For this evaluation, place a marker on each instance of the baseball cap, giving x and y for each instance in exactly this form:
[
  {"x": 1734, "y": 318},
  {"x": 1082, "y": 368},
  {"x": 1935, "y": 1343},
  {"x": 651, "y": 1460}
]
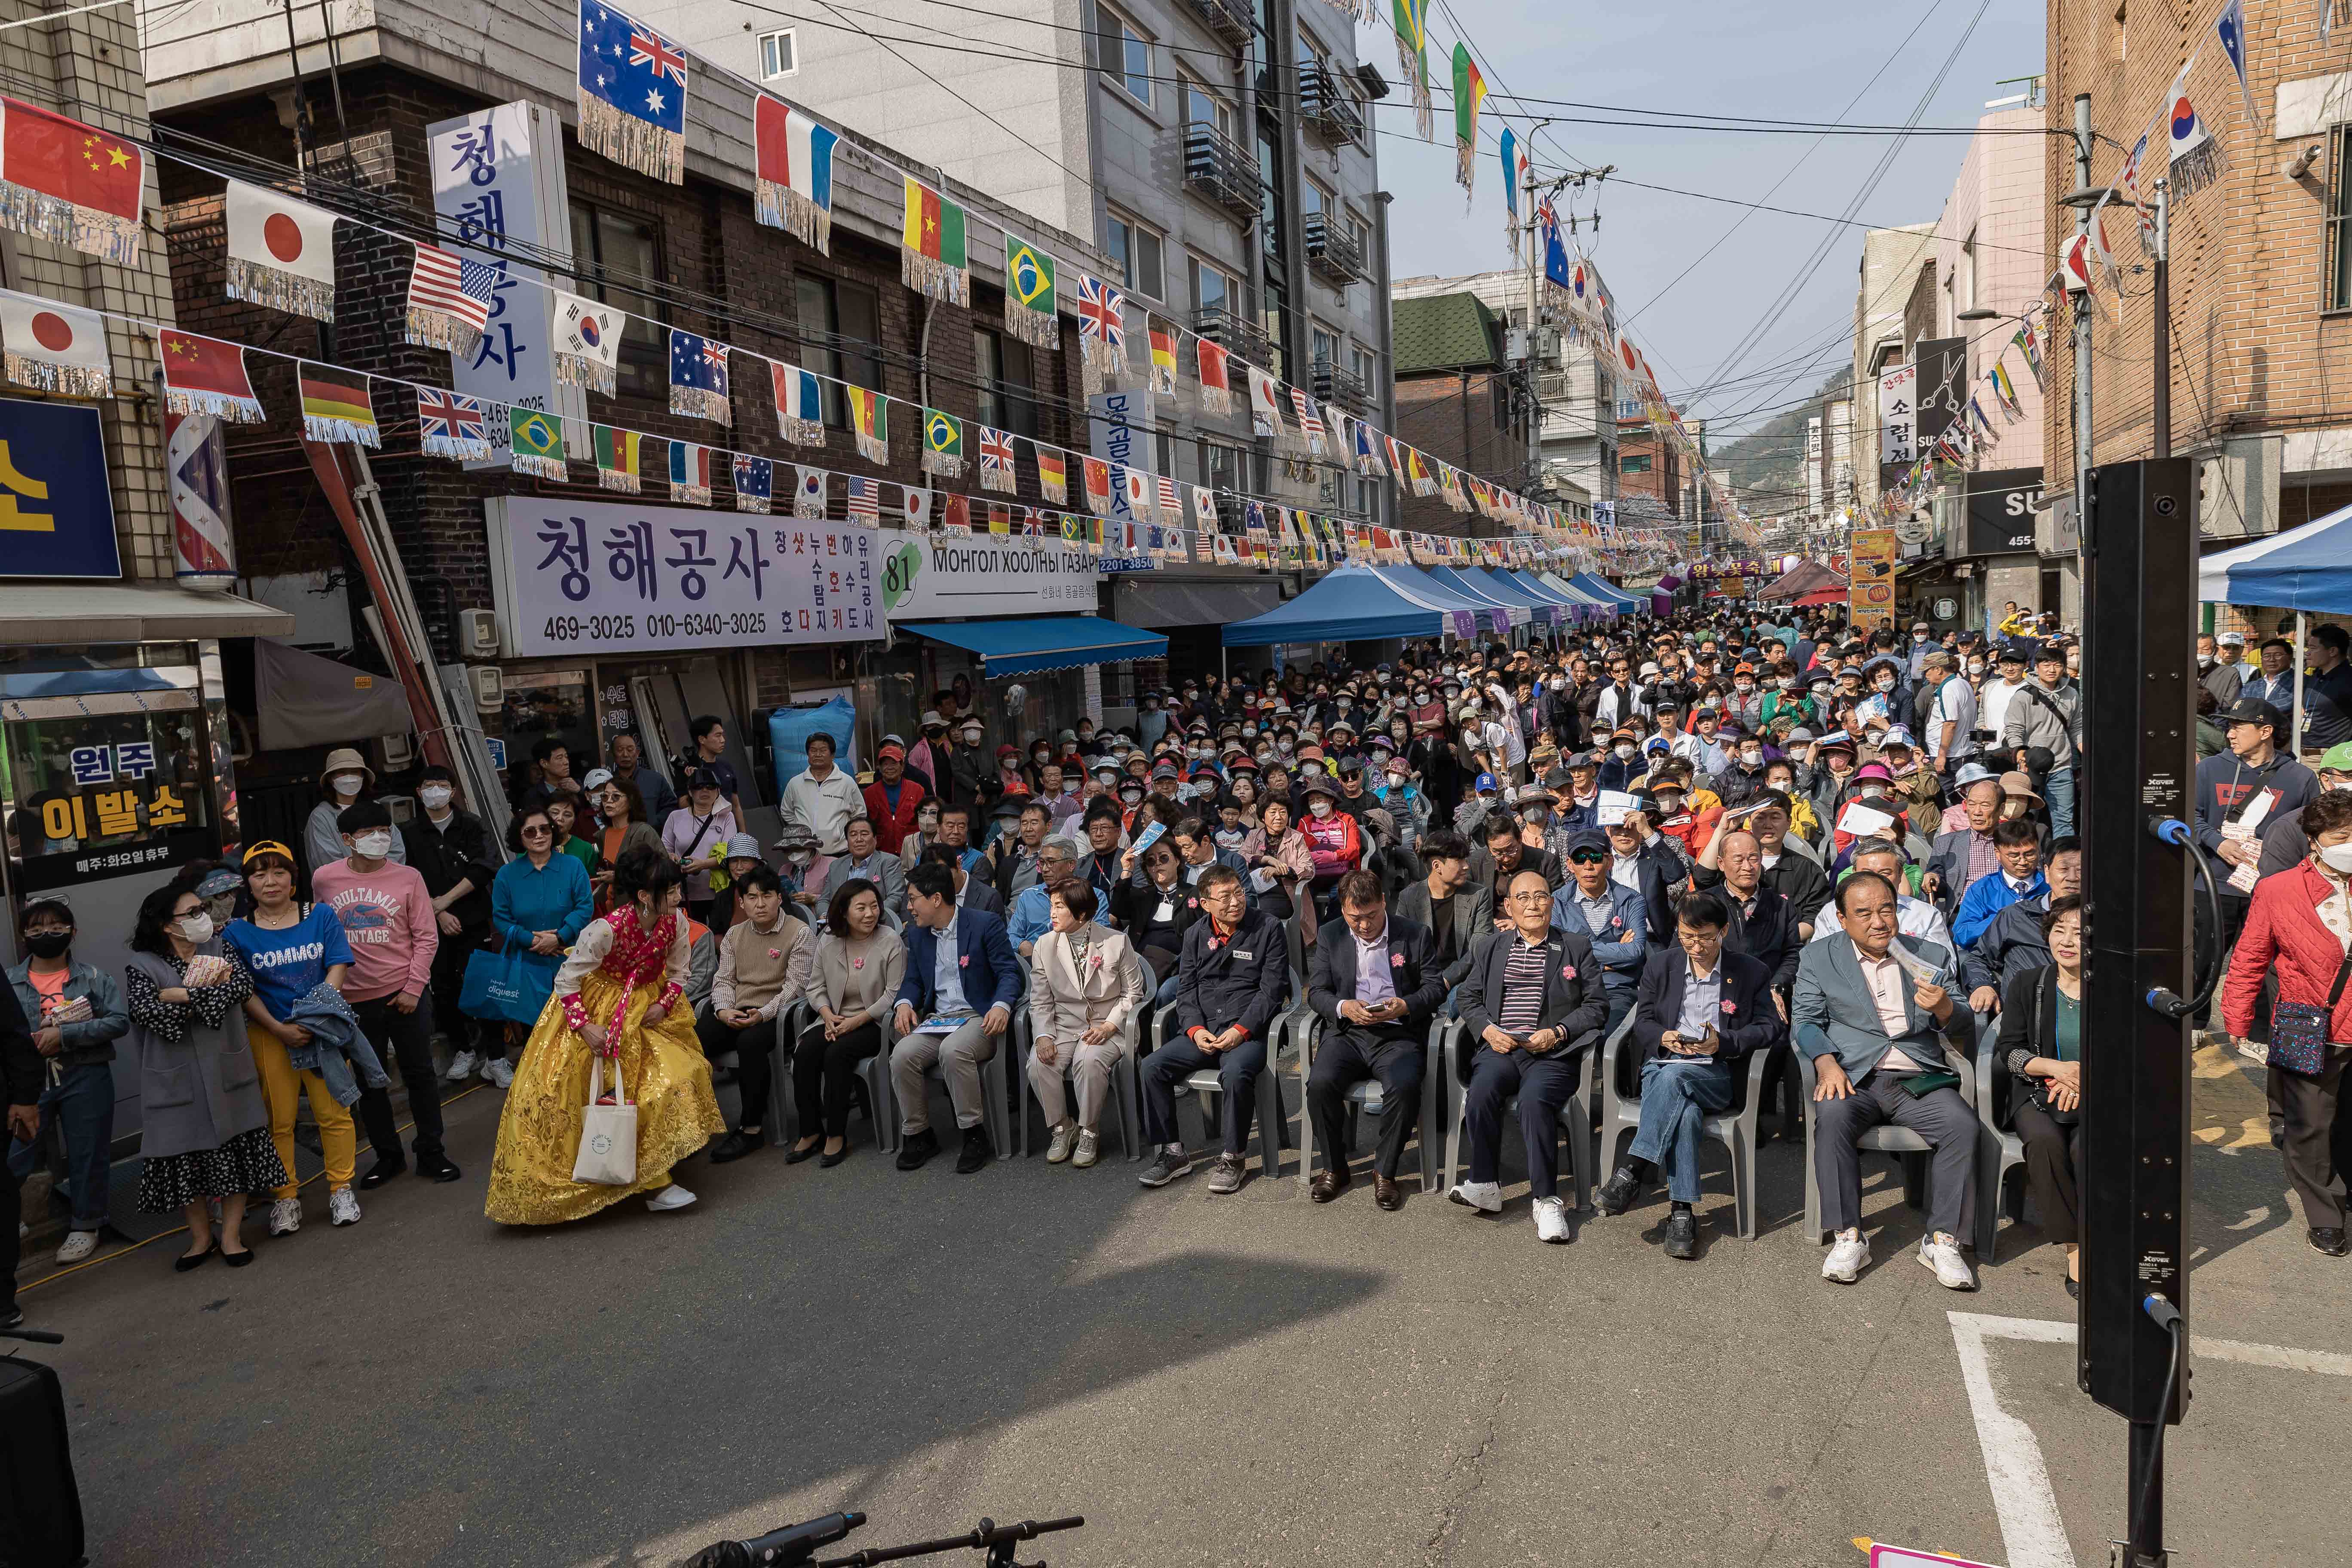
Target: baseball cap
[
  {"x": 2252, "y": 711},
  {"x": 889, "y": 750},
  {"x": 216, "y": 883},
  {"x": 1165, "y": 771},
  {"x": 597, "y": 779},
  {"x": 1801, "y": 736},
  {"x": 2232, "y": 639},
  {"x": 1585, "y": 840},
  {"x": 1582, "y": 760},
  {"x": 2336, "y": 759},
  {"x": 1485, "y": 783}
]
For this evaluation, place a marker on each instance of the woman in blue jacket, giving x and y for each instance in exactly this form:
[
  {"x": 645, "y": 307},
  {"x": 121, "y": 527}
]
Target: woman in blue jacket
[{"x": 539, "y": 901}]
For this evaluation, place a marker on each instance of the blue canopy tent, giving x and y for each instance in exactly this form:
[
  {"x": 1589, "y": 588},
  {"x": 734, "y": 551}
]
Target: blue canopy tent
[
  {"x": 1467, "y": 588},
  {"x": 1047, "y": 642},
  {"x": 1349, "y": 604},
  {"x": 2302, "y": 569},
  {"x": 1608, "y": 592},
  {"x": 1550, "y": 607},
  {"x": 1498, "y": 585},
  {"x": 1466, "y": 613},
  {"x": 1607, "y": 609}
]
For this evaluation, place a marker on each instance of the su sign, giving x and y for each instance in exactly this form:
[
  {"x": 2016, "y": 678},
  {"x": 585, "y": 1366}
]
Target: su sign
[
  {"x": 56, "y": 511},
  {"x": 2001, "y": 510}
]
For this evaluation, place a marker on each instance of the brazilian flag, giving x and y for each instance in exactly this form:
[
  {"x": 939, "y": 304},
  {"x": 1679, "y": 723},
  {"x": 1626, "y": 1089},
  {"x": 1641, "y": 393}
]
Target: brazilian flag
[
  {"x": 538, "y": 440},
  {"x": 1029, "y": 303},
  {"x": 942, "y": 444}
]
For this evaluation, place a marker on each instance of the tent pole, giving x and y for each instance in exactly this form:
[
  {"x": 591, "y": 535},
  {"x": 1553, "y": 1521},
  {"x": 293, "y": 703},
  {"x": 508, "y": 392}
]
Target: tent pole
[{"x": 2302, "y": 636}]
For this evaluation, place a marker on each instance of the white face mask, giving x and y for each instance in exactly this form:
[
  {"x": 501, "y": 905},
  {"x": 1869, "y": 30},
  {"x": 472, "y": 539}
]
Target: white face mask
[
  {"x": 1885, "y": 683},
  {"x": 2204, "y": 661},
  {"x": 1752, "y": 757},
  {"x": 1743, "y": 686},
  {"x": 374, "y": 844},
  {"x": 196, "y": 927},
  {"x": 800, "y": 857},
  {"x": 1975, "y": 668},
  {"x": 1624, "y": 749},
  {"x": 345, "y": 784},
  {"x": 434, "y": 796},
  {"x": 1319, "y": 806},
  {"x": 2337, "y": 858}
]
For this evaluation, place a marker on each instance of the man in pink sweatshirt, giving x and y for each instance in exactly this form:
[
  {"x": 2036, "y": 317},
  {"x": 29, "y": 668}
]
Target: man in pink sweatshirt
[{"x": 387, "y": 917}]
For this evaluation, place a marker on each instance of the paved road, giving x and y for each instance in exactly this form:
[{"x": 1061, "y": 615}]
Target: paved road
[{"x": 1247, "y": 1380}]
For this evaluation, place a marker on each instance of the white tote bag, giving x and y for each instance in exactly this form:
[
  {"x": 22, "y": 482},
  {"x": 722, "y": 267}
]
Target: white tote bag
[{"x": 608, "y": 1133}]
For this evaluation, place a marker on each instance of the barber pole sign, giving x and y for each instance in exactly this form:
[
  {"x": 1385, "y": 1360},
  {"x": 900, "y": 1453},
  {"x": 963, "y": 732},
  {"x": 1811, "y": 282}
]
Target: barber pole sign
[{"x": 196, "y": 464}]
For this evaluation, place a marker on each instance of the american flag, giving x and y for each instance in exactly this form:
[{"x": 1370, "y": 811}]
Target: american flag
[
  {"x": 1099, "y": 308},
  {"x": 464, "y": 289},
  {"x": 450, "y": 417},
  {"x": 865, "y": 497},
  {"x": 1170, "y": 508},
  {"x": 647, "y": 48},
  {"x": 995, "y": 451}
]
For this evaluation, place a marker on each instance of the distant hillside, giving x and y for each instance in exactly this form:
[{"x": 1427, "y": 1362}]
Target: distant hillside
[{"x": 1767, "y": 465}]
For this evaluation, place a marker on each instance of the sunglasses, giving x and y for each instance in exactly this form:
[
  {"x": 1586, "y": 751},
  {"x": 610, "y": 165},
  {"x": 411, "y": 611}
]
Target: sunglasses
[
  {"x": 1587, "y": 857},
  {"x": 540, "y": 832}
]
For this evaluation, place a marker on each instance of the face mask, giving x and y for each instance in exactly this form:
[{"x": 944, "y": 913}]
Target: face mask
[
  {"x": 1264, "y": 755},
  {"x": 1249, "y": 732},
  {"x": 376, "y": 844},
  {"x": 1874, "y": 792},
  {"x": 1539, "y": 814},
  {"x": 1624, "y": 749},
  {"x": 1743, "y": 686},
  {"x": 1320, "y": 808},
  {"x": 1285, "y": 747},
  {"x": 197, "y": 927},
  {"x": 1976, "y": 669},
  {"x": 972, "y": 737},
  {"x": 53, "y": 943},
  {"x": 1751, "y": 757},
  {"x": 1557, "y": 684},
  {"x": 2344, "y": 784},
  {"x": 2204, "y": 661},
  {"x": 345, "y": 784},
  {"x": 1311, "y": 771},
  {"x": 1885, "y": 683},
  {"x": 434, "y": 796},
  {"x": 2336, "y": 856},
  {"x": 800, "y": 857},
  {"x": 1132, "y": 796}
]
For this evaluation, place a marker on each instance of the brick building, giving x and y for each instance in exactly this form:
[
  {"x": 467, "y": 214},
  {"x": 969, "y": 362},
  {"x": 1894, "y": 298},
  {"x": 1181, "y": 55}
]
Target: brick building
[
  {"x": 1649, "y": 473},
  {"x": 1457, "y": 398}
]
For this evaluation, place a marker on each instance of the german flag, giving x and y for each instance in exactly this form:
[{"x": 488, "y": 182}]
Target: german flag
[{"x": 335, "y": 406}]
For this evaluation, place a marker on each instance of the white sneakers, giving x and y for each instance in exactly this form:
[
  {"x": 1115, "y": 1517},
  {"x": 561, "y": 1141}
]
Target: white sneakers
[
  {"x": 1487, "y": 1197},
  {"x": 499, "y": 1071},
  {"x": 285, "y": 1216},
  {"x": 1089, "y": 1148},
  {"x": 461, "y": 1066},
  {"x": 1551, "y": 1220},
  {"x": 1066, "y": 1136},
  {"x": 79, "y": 1244},
  {"x": 1849, "y": 1256},
  {"x": 671, "y": 1197},
  {"x": 342, "y": 1206},
  {"x": 1942, "y": 1254}
]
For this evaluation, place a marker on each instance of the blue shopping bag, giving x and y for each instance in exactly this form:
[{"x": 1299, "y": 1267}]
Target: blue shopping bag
[{"x": 509, "y": 982}]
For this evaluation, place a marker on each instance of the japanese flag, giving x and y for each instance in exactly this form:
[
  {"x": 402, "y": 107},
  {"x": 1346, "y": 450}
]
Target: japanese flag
[
  {"x": 54, "y": 348},
  {"x": 281, "y": 252},
  {"x": 918, "y": 509}
]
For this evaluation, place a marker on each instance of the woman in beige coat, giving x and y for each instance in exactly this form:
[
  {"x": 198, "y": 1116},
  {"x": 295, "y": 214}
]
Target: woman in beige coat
[{"x": 1084, "y": 986}]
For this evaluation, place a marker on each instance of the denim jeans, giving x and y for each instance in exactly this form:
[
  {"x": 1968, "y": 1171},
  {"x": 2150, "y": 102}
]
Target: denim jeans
[
  {"x": 82, "y": 1101},
  {"x": 1677, "y": 1094},
  {"x": 2058, "y": 794}
]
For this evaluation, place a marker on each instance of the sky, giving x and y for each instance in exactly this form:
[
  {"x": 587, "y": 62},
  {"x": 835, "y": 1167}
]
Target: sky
[{"x": 1809, "y": 61}]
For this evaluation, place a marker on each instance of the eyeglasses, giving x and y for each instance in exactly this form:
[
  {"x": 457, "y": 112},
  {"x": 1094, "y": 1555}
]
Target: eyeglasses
[{"x": 1530, "y": 898}]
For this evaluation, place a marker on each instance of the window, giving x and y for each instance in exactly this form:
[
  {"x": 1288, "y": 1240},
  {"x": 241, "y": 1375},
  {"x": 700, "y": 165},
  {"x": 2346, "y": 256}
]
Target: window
[
  {"x": 2340, "y": 225},
  {"x": 1203, "y": 107},
  {"x": 1326, "y": 346},
  {"x": 612, "y": 252},
  {"x": 1008, "y": 382},
  {"x": 1136, "y": 250},
  {"x": 779, "y": 54},
  {"x": 1312, "y": 198},
  {"x": 1212, "y": 289},
  {"x": 841, "y": 337},
  {"x": 1365, "y": 372},
  {"x": 1634, "y": 463},
  {"x": 1123, "y": 54},
  {"x": 1361, "y": 232}
]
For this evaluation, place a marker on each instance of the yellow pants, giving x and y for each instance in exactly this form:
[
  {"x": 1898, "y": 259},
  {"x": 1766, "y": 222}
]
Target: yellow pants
[{"x": 282, "y": 1087}]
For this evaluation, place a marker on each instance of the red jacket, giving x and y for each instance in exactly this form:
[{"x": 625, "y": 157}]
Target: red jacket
[
  {"x": 1332, "y": 843},
  {"x": 891, "y": 827},
  {"x": 2284, "y": 937}
]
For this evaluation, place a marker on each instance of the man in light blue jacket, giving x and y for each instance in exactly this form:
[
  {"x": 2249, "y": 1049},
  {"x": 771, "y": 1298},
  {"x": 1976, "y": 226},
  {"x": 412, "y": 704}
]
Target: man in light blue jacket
[{"x": 77, "y": 1013}]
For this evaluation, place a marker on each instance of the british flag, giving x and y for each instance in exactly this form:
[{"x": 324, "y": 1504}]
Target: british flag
[
  {"x": 451, "y": 427},
  {"x": 996, "y": 472},
  {"x": 649, "y": 49},
  {"x": 1099, "y": 311}
]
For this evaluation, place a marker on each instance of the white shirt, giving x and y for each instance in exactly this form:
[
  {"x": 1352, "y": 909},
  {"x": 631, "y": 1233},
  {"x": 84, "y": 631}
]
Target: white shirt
[
  {"x": 1912, "y": 917},
  {"x": 1956, "y": 704},
  {"x": 1373, "y": 982},
  {"x": 1993, "y": 702},
  {"x": 824, "y": 807}
]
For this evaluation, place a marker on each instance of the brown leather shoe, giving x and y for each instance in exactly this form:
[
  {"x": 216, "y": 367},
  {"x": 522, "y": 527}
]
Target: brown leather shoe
[
  {"x": 1327, "y": 1185},
  {"x": 1386, "y": 1193}
]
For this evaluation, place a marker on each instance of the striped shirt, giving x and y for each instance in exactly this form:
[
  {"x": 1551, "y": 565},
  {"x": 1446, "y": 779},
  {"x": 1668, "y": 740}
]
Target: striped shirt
[{"x": 1523, "y": 988}]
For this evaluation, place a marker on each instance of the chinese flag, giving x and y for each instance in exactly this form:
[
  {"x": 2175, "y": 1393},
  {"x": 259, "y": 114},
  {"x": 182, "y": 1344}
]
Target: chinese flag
[
  {"x": 93, "y": 178},
  {"x": 206, "y": 375}
]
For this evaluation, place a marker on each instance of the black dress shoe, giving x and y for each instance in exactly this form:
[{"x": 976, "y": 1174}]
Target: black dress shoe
[
  {"x": 916, "y": 1148},
  {"x": 1682, "y": 1235},
  {"x": 795, "y": 1154},
  {"x": 827, "y": 1161},
  {"x": 734, "y": 1146},
  {"x": 977, "y": 1152},
  {"x": 382, "y": 1172},
  {"x": 1386, "y": 1193},
  {"x": 438, "y": 1168},
  {"x": 1619, "y": 1194},
  {"x": 2074, "y": 1289},
  {"x": 1327, "y": 1185},
  {"x": 186, "y": 1261},
  {"x": 2329, "y": 1239},
  {"x": 237, "y": 1260}
]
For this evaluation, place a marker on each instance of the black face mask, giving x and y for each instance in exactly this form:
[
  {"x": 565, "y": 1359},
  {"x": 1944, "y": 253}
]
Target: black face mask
[{"x": 48, "y": 944}]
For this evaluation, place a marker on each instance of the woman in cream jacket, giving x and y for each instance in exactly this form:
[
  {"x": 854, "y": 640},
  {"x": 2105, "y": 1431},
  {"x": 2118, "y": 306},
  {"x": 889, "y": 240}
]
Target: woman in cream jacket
[{"x": 1086, "y": 985}]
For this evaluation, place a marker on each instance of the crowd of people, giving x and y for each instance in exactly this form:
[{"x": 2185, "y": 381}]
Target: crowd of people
[{"x": 1716, "y": 834}]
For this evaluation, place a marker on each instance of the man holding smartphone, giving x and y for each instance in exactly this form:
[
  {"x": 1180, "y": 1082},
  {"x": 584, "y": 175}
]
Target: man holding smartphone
[{"x": 1375, "y": 981}]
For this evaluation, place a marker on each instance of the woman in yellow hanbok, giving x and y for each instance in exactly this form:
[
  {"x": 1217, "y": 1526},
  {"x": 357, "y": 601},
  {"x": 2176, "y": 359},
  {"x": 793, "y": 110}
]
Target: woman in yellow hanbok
[{"x": 619, "y": 995}]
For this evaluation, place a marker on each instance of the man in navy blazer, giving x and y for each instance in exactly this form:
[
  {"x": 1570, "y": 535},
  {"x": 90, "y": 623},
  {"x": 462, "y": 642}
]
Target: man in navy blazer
[
  {"x": 1702, "y": 1008},
  {"x": 960, "y": 967},
  {"x": 1612, "y": 917},
  {"x": 1376, "y": 981}
]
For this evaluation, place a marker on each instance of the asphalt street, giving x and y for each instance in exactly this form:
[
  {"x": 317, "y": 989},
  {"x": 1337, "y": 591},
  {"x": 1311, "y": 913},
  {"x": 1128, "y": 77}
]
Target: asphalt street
[{"x": 1245, "y": 1380}]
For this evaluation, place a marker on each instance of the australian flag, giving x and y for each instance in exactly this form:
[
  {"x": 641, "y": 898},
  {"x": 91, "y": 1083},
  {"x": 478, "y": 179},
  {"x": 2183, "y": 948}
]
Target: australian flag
[
  {"x": 632, "y": 93},
  {"x": 698, "y": 377}
]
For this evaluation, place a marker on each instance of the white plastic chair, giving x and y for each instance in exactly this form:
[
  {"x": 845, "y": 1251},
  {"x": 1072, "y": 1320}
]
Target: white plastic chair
[{"x": 1909, "y": 1147}]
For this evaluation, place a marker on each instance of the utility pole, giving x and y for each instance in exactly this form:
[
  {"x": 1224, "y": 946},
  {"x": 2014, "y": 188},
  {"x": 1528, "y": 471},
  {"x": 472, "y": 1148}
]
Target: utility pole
[
  {"x": 2081, "y": 331},
  {"x": 2160, "y": 383},
  {"x": 1535, "y": 314}
]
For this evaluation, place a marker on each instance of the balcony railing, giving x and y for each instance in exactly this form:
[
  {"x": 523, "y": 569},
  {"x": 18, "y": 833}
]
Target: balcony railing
[
  {"x": 1218, "y": 167},
  {"x": 1229, "y": 19},
  {"x": 1326, "y": 110},
  {"x": 1343, "y": 387},
  {"x": 1232, "y": 331},
  {"x": 1332, "y": 252}
]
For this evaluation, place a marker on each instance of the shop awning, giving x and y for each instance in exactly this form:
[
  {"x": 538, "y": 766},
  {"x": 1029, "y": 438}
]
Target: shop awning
[
  {"x": 1820, "y": 597},
  {"x": 1138, "y": 601},
  {"x": 306, "y": 700},
  {"x": 1047, "y": 642},
  {"x": 78, "y": 614},
  {"x": 1352, "y": 603},
  {"x": 1476, "y": 592}
]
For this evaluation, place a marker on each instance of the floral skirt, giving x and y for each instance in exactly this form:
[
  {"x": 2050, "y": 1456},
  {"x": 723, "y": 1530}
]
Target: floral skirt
[
  {"x": 539, "y": 1135},
  {"x": 246, "y": 1163}
]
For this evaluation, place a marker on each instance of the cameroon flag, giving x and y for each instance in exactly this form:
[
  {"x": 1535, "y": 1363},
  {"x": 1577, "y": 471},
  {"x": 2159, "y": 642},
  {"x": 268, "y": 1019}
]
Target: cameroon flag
[
  {"x": 335, "y": 406},
  {"x": 869, "y": 418},
  {"x": 617, "y": 458},
  {"x": 538, "y": 442},
  {"x": 931, "y": 247}
]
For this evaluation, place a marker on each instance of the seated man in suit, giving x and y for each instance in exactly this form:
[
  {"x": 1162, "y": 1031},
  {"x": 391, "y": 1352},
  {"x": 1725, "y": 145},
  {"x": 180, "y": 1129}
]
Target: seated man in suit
[
  {"x": 1702, "y": 1008},
  {"x": 1610, "y": 916},
  {"x": 960, "y": 970},
  {"x": 1456, "y": 909},
  {"x": 1875, "y": 1027},
  {"x": 970, "y": 893},
  {"x": 1231, "y": 983},
  {"x": 1535, "y": 1001},
  {"x": 1376, "y": 982}
]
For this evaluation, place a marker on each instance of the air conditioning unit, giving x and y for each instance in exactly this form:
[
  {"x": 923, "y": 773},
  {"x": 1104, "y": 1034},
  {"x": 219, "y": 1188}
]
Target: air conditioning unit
[
  {"x": 395, "y": 754},
  {"x": 489, "y": 688},
  {"x": 478, "y": 634},
  {"x": 2237, "y": 490}
]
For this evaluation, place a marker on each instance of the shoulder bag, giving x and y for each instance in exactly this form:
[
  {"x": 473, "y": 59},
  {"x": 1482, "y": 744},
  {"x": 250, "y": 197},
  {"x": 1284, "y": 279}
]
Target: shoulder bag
[
  {"x": 608, "y": 1131},
  {"x": 2300, "y": 1030}
]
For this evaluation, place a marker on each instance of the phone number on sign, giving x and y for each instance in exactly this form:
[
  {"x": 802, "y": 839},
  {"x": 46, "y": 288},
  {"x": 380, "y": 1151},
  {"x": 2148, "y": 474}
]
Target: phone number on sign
[{"x": 714, "y": 624}]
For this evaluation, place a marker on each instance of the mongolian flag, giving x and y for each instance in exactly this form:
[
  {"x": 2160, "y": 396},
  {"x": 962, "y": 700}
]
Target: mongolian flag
[
  {"x": 942, "y": 444},
  {"x": 1030, "y": 307},
  {"x": 70, "y": 183},
  {"x": 792, "y": 156},
  {"x": 206, "y": 375},
  {"x": 1053, "y": 476},
  {"x": 281, "y": 252},
  {"x": 1164, "y": 356},
  {"x": 755, "y": 483},
  {"x": 617, "y": 458},
  {"x": 536, "y": 442},
  {"x": 336, "y": 405},
  {"x": 931, "y": 246},
  {"x": 689, "y": 473},
  {"x": 869, "y": 416}
]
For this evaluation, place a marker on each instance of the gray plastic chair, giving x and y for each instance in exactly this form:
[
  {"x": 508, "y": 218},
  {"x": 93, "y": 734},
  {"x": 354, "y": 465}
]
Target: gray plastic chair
[
  {"x": 1455, "y": 1052},
  {"x": 1367, "y": 1096},
  {"x": 1910, "y": 1148},
  {"x": 996, "y": 1111},
  {"x": 1123, "y": 1088},
  {"x": 1735, "y": 1128},
  {"x": 2000, "y": 1150},
  {"x": 783, "y": 1124}
]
